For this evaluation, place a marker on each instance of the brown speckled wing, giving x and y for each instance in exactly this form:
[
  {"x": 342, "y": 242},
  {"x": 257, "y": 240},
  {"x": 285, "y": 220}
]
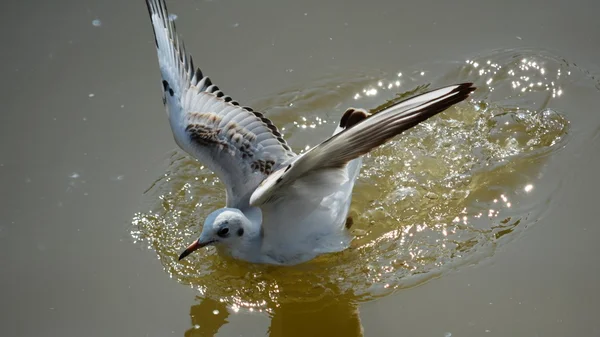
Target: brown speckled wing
[{"x": 240, "y": 145}]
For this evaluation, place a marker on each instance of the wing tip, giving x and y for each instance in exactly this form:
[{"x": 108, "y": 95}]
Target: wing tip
[
  {"x": 169, "y": 43},
  {"x": 465, "y": 88},
  {"x": 151, "y": 12},
  {"x": 464, "y": 91},
  {"x": 159, "y": 9}
]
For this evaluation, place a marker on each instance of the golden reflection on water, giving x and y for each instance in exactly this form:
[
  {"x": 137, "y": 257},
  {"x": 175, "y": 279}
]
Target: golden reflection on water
[
  {"x": 440, "y": 196},
  {"x": 328, "y": 316}
]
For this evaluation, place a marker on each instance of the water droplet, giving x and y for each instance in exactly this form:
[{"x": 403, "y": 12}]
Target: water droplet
[
  {"x": 96, "y": 23},
  {"x": 118, "y": 178},
  {"x": 431, "y": 195}
]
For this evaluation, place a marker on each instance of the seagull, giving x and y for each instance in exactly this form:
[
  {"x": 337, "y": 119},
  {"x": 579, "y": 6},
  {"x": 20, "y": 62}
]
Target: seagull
[{"x": 282, "y": 208}]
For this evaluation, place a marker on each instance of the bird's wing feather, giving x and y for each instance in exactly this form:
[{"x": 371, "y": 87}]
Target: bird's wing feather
[
  {"x": 337, "y": 151},
  {"x": 240, "y": 145}
]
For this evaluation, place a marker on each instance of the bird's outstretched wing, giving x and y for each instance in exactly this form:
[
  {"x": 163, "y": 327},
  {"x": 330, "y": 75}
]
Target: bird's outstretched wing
[
  {"x": 240, "y": 145},
  {"x": 334, "y": 153}
]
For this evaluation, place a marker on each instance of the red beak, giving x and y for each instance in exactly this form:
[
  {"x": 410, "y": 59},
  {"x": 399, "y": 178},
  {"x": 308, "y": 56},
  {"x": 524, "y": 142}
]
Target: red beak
[{"x": 194, "y": 246}]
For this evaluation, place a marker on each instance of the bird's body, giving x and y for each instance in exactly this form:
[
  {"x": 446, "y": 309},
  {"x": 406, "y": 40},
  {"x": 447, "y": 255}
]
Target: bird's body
[{"x": 282, "y": 208}]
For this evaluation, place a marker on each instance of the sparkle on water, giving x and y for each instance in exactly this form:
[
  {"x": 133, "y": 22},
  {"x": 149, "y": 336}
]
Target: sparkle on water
[{"x": 442, "y": 195}]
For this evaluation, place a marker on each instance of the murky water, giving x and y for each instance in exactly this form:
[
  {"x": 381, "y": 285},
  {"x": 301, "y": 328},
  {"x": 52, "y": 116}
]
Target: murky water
[
  {"x": 481, "y": 222},
  {"x": 443, "y": 195}
]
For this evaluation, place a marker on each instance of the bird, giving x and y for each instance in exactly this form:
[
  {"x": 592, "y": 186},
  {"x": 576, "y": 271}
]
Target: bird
[{"x": 281, "y": 208}]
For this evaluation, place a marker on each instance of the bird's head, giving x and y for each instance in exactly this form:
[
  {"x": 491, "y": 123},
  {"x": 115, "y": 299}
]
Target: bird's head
[{"x": 226, "y": 226}]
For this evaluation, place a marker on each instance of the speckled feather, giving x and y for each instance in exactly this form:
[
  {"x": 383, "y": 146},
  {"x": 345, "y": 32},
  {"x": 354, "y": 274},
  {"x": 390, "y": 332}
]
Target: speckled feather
[{"x": 240, "y": 145}]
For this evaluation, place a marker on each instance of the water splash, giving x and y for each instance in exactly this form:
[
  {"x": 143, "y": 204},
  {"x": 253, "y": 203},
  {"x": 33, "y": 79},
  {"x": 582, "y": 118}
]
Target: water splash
[{"x": 444, "y": 194}]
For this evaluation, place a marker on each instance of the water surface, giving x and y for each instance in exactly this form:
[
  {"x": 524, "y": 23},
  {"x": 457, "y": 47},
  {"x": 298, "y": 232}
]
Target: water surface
[
  {"x": 439, "y": 196},
  {"x": 85, "y": 148}
]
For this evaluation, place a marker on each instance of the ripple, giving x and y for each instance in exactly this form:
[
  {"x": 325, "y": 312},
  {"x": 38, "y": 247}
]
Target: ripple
[{"x": 444, "y": 194}]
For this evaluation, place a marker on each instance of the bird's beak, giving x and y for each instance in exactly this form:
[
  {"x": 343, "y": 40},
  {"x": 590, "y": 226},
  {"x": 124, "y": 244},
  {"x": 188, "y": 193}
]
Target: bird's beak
[{"x": 194, "y": 246}]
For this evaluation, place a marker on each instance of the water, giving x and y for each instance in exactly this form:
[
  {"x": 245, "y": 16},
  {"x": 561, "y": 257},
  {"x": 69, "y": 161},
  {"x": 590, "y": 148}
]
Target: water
[
  {"x": 440, "y": 196},
  {"x": 479, "y": 222}
]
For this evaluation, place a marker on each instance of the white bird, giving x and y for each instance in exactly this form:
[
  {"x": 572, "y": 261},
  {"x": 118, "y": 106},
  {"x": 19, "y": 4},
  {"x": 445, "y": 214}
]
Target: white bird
[{"x": 281, "y": 208}]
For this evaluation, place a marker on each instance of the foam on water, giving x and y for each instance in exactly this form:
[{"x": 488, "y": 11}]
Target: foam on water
[{"x": 442, "y": 195}]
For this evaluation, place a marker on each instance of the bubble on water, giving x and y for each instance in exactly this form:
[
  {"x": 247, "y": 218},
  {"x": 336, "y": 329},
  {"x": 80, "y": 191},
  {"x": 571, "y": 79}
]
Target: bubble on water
[
  {"x": 172, "y": 17},
  {"x": 215, "y": 312},
  {"x": 96, "y": 23},
  {"x": 91, "y": 95}
]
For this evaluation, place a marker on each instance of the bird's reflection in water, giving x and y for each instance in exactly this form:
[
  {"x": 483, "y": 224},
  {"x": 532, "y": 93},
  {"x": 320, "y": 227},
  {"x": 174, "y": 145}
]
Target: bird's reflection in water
[
  {"x": 207, "y": 318},
  {"x": 329, "y": 316}
]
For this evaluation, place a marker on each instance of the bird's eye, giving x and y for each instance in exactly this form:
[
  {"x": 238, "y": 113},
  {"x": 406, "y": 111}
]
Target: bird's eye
[{"x": 223, "y": 232}]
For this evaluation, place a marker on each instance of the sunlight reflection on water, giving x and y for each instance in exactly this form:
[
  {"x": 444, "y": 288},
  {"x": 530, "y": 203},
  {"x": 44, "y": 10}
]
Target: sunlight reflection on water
[{"x": 440, "y": 196}]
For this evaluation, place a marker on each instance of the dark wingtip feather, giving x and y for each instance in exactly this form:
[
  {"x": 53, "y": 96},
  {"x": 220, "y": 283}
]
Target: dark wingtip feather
[
  {"x": 465, "y": 88},
  {"x": 150, "y": 11}
]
